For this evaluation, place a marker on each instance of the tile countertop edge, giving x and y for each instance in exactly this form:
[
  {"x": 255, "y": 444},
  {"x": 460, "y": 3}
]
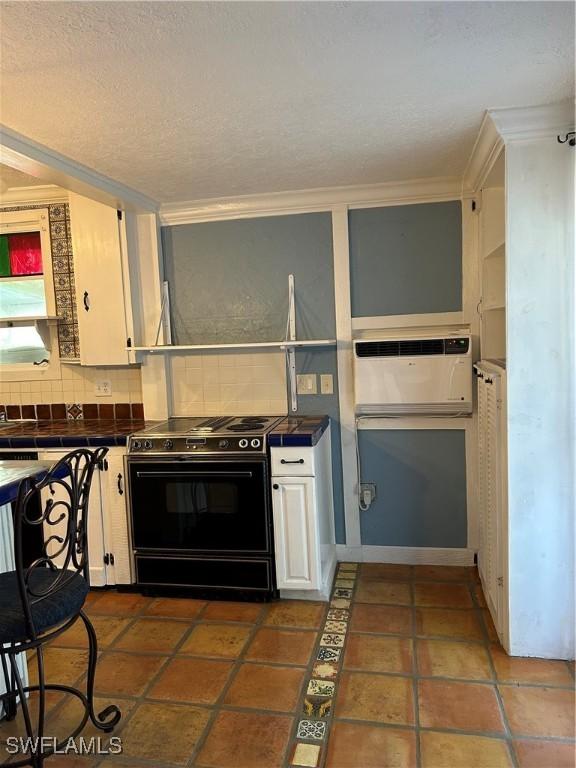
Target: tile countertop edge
[
  {"x": 298, "y": 431},
  {"x": 91, "y": 433},
  {"x": 13, "y": 472}
]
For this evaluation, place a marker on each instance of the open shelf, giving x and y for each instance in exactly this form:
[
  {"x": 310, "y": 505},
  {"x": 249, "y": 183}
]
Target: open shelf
[
  {"x": 499, "y": 252},
  {"x": 493, "y": 263},
  {"x": 494, "y": 280},
  {"x": 494, "y": 333},
  {"x": 28, "y": 318},
  {"x": 493, "y": 233},
  {"x": 286, "y": 344}
]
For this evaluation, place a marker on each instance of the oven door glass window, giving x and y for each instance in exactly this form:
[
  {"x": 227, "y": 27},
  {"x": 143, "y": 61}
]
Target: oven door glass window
[{"x": 199, "y": 506}]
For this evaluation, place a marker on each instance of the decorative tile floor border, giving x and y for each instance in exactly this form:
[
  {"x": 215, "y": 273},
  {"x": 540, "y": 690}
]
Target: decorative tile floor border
[{"x": 310, "y": 741}]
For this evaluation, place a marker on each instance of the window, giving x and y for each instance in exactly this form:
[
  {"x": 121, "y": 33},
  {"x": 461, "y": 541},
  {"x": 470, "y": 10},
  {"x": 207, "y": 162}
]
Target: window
[{"x": 28, "y": 332}]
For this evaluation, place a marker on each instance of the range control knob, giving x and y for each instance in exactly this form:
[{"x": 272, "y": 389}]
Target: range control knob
[
  {"x": 255, "y": 443},
  {"x": 147, "y": 444},
  {"x": 136, "y": 444},
  {"x": 223, "y": 444},
  {"x": 243, "y": 443},
  {"x": 168, "y": 445}
]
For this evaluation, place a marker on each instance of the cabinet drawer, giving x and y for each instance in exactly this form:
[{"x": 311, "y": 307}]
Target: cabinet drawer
[{"x": 293, "y": 462}]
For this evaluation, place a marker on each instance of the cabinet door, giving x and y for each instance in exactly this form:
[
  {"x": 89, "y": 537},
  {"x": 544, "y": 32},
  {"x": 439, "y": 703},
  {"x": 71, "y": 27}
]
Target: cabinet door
[
  {"x": 96, "y": 565},
  {"x": 492, "y": 541},
  {"x": 101, "y": 277},
  {"x": 295, "y": 533},
  {"x": 115, "y": 519}
]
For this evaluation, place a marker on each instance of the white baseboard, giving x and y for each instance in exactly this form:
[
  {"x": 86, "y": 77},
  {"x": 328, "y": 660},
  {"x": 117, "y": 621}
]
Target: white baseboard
[{"x": 406, "y": 555}]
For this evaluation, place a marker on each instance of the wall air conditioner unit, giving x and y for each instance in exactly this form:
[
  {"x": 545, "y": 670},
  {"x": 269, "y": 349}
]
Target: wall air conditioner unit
[{"x": 420, "y": 375}]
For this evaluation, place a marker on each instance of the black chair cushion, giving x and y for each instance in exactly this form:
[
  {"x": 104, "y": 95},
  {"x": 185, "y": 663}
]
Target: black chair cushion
[{"x": 66, "y": 602}]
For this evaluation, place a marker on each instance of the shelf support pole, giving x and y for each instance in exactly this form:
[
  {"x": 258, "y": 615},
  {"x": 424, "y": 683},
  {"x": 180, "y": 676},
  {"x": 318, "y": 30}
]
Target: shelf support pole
[{"x": 290, "y": 351}]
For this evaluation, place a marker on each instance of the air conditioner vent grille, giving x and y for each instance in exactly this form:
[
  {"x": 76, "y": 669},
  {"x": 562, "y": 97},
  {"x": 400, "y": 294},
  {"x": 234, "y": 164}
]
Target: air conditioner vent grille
[
  {"x": 378, "y": 349},
  {"x": 408, "y": 348}
]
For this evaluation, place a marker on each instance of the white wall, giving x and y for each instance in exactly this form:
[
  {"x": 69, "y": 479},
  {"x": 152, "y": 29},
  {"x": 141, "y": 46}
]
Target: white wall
[{"x": 540, "y": 346}]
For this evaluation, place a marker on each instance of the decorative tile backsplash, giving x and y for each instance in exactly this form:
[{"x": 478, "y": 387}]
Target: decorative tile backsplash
[{"x": 72, "y": 411}]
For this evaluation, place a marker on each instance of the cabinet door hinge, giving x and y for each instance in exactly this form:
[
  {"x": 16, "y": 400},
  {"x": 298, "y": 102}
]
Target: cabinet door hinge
[
  {"x": 119, "y": 215},
  {"x": 111, "y": 558},
  {"x": 103, "y": 465},
  {"x": 106, "y": 558},
  {"x": 500, "y": 581},
  {"x": 129, "y": 341}
]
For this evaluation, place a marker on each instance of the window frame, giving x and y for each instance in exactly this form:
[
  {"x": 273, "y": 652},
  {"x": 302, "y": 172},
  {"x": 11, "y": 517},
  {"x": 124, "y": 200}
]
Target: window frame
[{"x": 35, "y": 220}]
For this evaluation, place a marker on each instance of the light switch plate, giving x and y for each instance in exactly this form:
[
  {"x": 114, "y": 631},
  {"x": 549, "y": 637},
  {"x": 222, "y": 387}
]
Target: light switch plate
[
  {"x": 306, "y": 384},
  {"x": 326, "y": 384},
  {"x": 103, "y": 388}
]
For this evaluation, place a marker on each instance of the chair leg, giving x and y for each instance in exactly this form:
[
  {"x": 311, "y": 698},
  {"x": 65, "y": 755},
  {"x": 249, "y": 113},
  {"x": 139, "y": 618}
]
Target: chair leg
[
  {"x": 109, "y": 718},
  {"x": 10, "y": 703},
  {"x": 36, "y": 757},
  {"x": 41, "y": 692}
]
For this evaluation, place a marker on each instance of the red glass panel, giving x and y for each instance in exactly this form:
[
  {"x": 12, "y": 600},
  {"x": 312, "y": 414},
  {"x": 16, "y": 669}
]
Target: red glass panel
[{"x": 25, "y": 254}]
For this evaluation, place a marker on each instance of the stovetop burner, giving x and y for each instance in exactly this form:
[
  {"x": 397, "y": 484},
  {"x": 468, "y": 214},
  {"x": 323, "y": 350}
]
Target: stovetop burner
[{"x": 250, "y": 426}]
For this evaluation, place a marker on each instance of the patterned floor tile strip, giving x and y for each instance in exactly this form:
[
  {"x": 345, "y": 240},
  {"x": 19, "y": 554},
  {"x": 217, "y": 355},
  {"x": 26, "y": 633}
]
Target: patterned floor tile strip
[{"x": 312, "y": 732}]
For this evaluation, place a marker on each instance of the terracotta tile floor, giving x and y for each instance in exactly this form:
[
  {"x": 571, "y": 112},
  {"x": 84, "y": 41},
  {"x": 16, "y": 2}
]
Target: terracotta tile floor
[{"x": 400, "y": 670}]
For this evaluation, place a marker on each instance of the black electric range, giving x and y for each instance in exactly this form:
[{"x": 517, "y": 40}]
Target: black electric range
[{"x": 200, "y": 506}]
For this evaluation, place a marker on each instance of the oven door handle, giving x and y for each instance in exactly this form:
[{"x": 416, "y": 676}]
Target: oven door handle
[{"x": 183, "y": 473}]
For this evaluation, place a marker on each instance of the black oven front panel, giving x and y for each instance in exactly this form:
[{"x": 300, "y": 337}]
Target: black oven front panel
[{"x": 192, "y": 506}]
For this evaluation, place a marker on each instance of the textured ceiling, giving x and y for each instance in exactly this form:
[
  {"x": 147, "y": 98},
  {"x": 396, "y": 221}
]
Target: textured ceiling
[
  {"x": 10, "y": 178},
  {"x": 191, "y": 100}
]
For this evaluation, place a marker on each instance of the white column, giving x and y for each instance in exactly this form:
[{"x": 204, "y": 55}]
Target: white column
[{"x": 541, "y": 404}]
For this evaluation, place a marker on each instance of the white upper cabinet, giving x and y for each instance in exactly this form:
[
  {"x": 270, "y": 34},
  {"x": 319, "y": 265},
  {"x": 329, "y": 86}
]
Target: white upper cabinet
[{"x": 102, "y": 282}]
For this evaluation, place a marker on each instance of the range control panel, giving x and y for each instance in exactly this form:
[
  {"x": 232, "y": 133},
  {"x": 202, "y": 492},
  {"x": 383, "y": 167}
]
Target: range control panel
[{"x": 197, "y": 444}]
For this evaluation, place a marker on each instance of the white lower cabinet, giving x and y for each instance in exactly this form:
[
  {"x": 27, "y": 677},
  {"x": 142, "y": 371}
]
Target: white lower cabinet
[
  {"x": 303, "y": 510},
  {"x": 108, "y": 550},
  {"x": 295, "y": 533},
  {"x": 115, "y": 519},
  {"x": 492, "y": 487}
]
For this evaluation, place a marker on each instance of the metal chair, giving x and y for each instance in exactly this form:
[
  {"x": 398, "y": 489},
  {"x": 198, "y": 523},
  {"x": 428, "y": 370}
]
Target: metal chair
[{"x": 41, "y": 600}]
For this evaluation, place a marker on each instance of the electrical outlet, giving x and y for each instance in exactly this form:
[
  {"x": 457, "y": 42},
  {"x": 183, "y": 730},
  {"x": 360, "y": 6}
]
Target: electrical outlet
[
  {"x": 103, "y": 388},
  {"x": 326, "y": 384},
  {"x": 306, "y": 384},
  {"x": 368, "y": 493}
]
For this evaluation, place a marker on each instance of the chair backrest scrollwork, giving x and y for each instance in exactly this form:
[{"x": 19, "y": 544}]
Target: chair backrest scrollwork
[{"x": 58, "y": 502}]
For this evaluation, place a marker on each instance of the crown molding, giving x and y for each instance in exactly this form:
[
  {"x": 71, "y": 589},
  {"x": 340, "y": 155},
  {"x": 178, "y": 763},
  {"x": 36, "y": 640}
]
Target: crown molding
[
  {"x": 522, "y": 123},
  {"x": 311, "y": 200},
  {"x": 487, "y": 147},
  {"x": 40, "y": 194},
  {"x": 28, "y": 156}
]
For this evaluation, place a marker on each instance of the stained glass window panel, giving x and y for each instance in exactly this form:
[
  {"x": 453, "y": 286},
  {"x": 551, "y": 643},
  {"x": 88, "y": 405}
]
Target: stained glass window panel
[
  {"x": 25, "y": 254},
  {"x": 4, "y": 257}
]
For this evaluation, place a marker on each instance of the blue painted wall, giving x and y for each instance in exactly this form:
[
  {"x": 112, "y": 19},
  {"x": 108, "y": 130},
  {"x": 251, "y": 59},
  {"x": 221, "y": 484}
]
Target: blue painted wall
[
  {"x": 421, "y": 487},
  {"x": 406, "y": 259},
  {"x": 229, "y": 279},
  {"x": 228, "y": 282}
]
